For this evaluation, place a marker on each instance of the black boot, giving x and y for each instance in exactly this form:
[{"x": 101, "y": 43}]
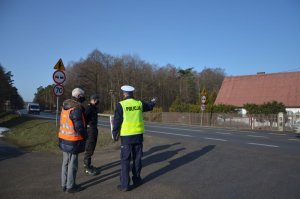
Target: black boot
[{"x": 91, "y": 170}]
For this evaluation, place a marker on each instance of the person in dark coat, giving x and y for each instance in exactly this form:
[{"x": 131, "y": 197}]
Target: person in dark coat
[
  {"x": 91, "y": 114},
  {"x": 129, "y": 126}
]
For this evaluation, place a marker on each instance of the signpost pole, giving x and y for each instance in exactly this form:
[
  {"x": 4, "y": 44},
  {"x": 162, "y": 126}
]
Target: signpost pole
[
  {"x": 201, "y": 116},
  {"x": 56, "y": 110},
  {"x": 59, "y": 77}
]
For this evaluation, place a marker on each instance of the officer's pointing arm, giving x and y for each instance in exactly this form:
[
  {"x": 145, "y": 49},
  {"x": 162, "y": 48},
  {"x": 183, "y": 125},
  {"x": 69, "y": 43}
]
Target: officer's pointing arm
[{"x": 148, "y": 106}]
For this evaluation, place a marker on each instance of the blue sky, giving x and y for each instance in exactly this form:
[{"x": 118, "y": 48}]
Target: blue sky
[{"x": 241, "y": 36}]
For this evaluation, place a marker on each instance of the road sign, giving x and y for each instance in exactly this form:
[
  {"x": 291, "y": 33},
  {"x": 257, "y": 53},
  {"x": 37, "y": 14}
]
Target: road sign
[
  {"x": 59, "y": 76},
  {"x": 203, "y": 99},
  {"x": 58, "y": 90},
  {"x": 59, "y": 65},
  {"x": 203, "y": 106},
  {"x": 203, "y": 92}
]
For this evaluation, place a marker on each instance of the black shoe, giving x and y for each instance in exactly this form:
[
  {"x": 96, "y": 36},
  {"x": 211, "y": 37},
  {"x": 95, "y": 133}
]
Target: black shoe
[
  {"x": 120, "y": 188},
  {"x": 137, "y": 182},
  {"x": 92, "y": 171},
  {"x": 74, "y": 189},
  {"x": 64, "y": 189}
]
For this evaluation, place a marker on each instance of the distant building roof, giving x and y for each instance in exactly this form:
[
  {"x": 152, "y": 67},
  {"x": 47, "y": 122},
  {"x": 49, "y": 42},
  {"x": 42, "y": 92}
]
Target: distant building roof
[{"x": 260, "y": 88}]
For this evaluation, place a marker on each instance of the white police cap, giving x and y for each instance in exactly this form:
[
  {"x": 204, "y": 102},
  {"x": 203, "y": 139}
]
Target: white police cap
[{"x": 127, "y": 88}]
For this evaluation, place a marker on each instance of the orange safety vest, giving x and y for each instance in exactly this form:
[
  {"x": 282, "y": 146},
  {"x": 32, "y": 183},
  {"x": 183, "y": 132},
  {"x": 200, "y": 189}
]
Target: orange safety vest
[{"x": 66, "y": 130}]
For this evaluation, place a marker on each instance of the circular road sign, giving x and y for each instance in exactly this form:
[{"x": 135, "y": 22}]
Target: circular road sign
[
  {"x": 59, "y": 76},
  {"x": 58, "y": 90},
  {"x": 203, "y": 99},
  {"x": 203, "y": 107}
]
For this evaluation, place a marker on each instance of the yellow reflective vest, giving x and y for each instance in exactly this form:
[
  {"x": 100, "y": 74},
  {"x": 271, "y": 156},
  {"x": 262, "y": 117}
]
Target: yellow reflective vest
[{"x": 133, "y": 122}]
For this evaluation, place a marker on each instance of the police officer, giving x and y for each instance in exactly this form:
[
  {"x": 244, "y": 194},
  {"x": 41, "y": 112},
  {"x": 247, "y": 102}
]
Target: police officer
[
  {"x": 129, "y": 126},
  {"x": 72, "y": 135},
  {"x": 91, "y": 114}
]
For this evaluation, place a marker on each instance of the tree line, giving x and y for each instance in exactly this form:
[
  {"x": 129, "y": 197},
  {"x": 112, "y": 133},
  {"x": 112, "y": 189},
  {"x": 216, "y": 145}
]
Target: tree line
[
  {"x": 104, "y": 74},
  {"x": 9, "y": 97},
  {"x": 177, "y": 89}
]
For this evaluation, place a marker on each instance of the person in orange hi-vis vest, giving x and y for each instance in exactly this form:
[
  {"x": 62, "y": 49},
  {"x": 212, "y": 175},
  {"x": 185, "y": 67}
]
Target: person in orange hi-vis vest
[{"x": 72, "y": 136}]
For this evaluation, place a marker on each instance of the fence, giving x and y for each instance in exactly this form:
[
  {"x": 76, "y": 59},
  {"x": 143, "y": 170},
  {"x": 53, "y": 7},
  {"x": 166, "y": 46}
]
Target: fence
[{"x": 264, "y": 122}]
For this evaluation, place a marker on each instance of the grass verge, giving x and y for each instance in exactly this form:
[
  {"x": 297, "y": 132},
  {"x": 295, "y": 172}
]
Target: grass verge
[{"x": 33, "y": 134}]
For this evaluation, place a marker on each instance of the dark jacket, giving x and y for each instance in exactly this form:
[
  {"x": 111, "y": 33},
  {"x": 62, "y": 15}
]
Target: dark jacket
[
  {"x": 91, "y": 114},
  {"x": 118, "y": 119},
  {"x": 76, "y": 117}
]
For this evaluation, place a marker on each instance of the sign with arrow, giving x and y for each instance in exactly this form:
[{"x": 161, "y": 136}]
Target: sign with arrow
[{"x": 59, "y": 77}]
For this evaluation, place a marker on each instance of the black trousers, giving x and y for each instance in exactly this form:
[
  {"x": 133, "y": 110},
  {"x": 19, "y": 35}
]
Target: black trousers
[
  {"x": 90, "y": 145},
  {"x": 136, "y": 152}
]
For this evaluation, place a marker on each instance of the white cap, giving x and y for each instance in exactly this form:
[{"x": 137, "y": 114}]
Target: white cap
[
  {"x": 77, "y": 91},
  {"x": 127, "y": 88}
]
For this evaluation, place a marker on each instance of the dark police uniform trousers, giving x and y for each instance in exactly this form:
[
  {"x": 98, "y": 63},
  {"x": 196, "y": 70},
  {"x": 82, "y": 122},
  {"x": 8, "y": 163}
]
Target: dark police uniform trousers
[{"x": 128, "y": 151}]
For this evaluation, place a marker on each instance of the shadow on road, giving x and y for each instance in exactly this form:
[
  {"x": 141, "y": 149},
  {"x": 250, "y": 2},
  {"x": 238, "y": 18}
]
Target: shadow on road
[
  {"x": 149, "y": 160},
  {"x": 159, "y": 148},
  {"x": 149, "y": 152},
  {"x": 176, "y": 163},
  {"x": 160, "y": 157},
  {"x": 7, "y": 151},
  {"x": 109, "y": 165},
  {"x": 99, "y": 179}
]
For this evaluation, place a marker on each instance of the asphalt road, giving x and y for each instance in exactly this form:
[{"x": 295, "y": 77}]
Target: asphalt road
[
  {"x": 179, "y": 162},
  {"x": 284, "y": 141}
]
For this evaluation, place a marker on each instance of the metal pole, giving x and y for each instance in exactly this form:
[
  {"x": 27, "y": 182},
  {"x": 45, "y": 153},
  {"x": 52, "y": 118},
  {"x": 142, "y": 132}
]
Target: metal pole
[
  {"x": 111, "y": 120},
  {"x": 56, "y": 110},
  {"x": 201, "y": 116}
]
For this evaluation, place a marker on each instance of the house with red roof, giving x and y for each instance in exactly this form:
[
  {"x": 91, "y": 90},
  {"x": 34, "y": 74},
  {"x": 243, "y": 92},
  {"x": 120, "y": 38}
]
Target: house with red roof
[{"x": 261, "y": 88}]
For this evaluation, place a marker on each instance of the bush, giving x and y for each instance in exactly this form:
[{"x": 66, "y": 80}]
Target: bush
[{"x": 273, "y": 107}]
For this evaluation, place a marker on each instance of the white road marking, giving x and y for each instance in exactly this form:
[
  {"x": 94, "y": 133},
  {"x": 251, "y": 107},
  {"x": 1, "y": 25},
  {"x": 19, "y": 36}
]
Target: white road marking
[
  {"x": 198, "y": 130},
  {"x": 268, "y": 145},
  {"x": 170, "y": 133},
  {"x": 276, "y": 134},
  {"x": 224, "y": 133},
  {"x": 103, "y": 125},
  {"x": 241, "y": 130},
  {"x": 238, "y": 131},
  {"x": 257, "y": 136},
  {"x": 218, "y": 139},
  {"x": 294, "y": 139}
]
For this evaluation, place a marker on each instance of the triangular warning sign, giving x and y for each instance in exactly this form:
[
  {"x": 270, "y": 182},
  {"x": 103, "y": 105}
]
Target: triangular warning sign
[
  {"x": 59, "y": 65},
  {"x": 203, "y": 92}
]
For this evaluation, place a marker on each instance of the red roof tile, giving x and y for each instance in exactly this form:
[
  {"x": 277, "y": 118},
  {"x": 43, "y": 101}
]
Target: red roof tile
[{"x": 257, "y": 89}]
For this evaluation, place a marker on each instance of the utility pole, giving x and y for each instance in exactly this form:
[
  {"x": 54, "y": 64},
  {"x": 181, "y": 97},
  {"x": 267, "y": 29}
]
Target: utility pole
[{"x": 112, "y": 100}]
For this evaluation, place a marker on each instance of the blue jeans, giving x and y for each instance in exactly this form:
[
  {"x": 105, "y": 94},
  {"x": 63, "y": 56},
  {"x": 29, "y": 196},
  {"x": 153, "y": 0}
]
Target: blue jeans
[{"x": 69, "y": 170}]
